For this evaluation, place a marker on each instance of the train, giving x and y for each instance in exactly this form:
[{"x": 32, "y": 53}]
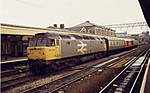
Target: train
[{"x": 48, "y": 52}]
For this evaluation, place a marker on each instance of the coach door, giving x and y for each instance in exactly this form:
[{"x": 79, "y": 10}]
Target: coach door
[{"x": 106, "y": 44}]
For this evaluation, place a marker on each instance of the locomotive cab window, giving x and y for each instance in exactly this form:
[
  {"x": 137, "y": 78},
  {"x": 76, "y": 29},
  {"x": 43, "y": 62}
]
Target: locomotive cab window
[
  {"x": 50, "y": 42},
  {"x": 57, "y": 42}
]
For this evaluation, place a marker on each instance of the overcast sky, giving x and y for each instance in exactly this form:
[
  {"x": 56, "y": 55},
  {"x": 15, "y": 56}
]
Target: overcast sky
[{"x": 43, "y": 13}]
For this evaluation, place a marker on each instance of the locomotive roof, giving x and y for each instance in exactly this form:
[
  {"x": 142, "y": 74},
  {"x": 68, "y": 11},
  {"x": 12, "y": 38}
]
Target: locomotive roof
[
  {"x": 75, "y": 36},
  {"x": 71, "y": 36}
]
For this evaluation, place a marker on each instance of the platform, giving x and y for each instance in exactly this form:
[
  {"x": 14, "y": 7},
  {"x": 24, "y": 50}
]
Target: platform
[
  {"x": 146, "y": 81},
  {"x": 13, "y": 60}
]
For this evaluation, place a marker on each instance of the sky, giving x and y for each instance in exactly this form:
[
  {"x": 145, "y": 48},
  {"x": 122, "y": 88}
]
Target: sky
[{"x": 44, "y": 13}]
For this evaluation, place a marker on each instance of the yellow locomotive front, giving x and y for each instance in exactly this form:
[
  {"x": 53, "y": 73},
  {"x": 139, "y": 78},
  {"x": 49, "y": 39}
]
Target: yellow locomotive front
[{"x": 41, "y": 51}]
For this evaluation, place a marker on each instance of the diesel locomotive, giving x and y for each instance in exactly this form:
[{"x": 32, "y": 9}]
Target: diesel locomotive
[{"x": 53, "y": 51}]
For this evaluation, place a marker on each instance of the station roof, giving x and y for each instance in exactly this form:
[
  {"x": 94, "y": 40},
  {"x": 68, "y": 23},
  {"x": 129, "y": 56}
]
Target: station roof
[
  {"x": 87, "y": 25},
  {"x": 145, "y": 5},
  {"x": 25, "y": 30}
]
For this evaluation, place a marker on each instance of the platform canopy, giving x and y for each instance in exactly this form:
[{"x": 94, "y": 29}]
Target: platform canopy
[
  {"x": 145, "y": 5},
  {"x": 21, "y": 30}
]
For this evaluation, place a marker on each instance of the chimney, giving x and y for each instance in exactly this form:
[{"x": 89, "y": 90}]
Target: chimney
[
  {"x": 88, "y": 21},
  {"x": 62, "y": 26},
  {"x": 55, "y": 25}
]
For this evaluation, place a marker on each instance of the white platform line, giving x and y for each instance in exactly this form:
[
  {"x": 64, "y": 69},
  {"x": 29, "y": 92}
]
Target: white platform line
[
  {"x": 145, "y": 78},
  {"x": 11, "y": 61}
]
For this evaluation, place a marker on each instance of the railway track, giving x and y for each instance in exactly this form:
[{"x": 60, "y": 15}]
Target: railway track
[
  {"x": 12, "y": 64},
  {"x": 130, "y": 78},
  {"x": 57, "y": 85},
  {"x": 13, "y": 83},
  {"x": 14, "y": 71},
  {"x": 13, "y": 77},
  {"x": 57, "y": 82}
]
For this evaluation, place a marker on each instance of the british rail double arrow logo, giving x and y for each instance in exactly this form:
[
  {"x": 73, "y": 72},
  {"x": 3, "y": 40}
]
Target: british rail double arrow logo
[{"x": 82, "y": 47}]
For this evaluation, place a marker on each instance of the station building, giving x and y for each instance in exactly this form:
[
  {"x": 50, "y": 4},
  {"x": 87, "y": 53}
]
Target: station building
[{"x": 91, "y": 28}]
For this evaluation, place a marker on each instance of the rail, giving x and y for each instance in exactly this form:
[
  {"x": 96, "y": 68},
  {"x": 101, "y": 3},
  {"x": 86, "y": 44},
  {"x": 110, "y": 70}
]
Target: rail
[{"x": 110, "y": 84}]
